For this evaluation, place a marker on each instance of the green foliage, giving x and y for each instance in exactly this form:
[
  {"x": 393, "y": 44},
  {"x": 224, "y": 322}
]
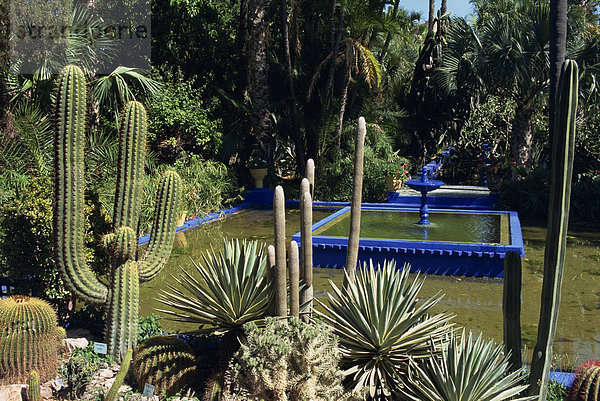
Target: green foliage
[
  {"x": 586, "y": 385},
  {"x": 165, "y": 362},
  {"x": 381, "y": 327},
  {"x": 556, "y": 391},
  {"x": 232, "y": 289},
  {"x": 289, "y": 360},
  {"x": 76, "y": 373},
  {"x": 468, "y": 369},
  {"x": 180, "y": 120},
  {"x": 29, "y": 339},
  {"x": 149, "y": 326}
]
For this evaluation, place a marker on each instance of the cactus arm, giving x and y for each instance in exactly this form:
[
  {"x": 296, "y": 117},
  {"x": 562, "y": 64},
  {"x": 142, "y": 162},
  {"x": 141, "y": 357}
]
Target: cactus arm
[
  {"x": 69, "y": 220},
  {"x": 132, "y": 153},
  {"x": 294, "y": 276},
  {"x": 114, "y": 389},
  {"x": 163, "y": 230},
  {"x": 33, "y": 390},
  {"x": 122, "y": 320},
  {"x": 563, "y": 150},
  {"x": 280, "y": 258}
]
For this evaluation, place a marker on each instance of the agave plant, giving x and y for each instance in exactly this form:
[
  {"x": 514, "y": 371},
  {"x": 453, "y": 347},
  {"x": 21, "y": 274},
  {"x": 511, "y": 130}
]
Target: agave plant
[
  {"x": 381, "y": 327},
  {"x": 232, "y": 290},
  {"x": 469, "y": 369}
]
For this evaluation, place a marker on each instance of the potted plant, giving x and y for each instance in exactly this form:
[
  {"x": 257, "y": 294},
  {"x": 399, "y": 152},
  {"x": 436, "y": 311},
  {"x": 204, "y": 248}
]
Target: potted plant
[
  {"x": 258, "y": 170},
  {"x": 396, "y": 173}
]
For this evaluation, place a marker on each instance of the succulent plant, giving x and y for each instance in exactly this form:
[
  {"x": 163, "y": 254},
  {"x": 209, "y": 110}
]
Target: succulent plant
[
  {"x": 563, "y": 151},
  {"x": 29, "y": 339},
  {"x": 127, "y": 270},
  {"x": 381, "y": 326},
  {"x": 165, "y": 362},
  {"x": 468, "y": 369},
  {"x": 586, "y": 386},
  {"x": 33, "y": 389},
  {"x": 114, "y": 389}
]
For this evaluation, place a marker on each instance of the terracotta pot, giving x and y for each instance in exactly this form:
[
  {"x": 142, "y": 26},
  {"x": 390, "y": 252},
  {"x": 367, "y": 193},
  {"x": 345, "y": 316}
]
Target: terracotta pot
[
  {"x": 258, "y": 174},
  {"x": 393, "y": 184}
]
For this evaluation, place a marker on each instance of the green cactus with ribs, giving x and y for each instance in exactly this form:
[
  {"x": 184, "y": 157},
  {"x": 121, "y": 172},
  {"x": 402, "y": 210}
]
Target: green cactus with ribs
[{"x": 121, "y": 296}]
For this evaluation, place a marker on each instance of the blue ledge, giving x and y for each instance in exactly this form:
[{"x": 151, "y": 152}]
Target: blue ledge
[{"x": 447, "y": 202}]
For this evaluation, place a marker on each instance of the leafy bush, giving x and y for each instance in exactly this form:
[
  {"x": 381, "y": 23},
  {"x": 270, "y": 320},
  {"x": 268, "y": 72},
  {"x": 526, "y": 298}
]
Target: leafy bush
[
  {"x": 179, "y": 120},
  {"x": 289, "y": 360},
  {"x": 149, "y": 326}
]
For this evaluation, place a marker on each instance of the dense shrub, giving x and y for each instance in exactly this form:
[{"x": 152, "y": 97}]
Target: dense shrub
[{"x": 180, "y": 120}]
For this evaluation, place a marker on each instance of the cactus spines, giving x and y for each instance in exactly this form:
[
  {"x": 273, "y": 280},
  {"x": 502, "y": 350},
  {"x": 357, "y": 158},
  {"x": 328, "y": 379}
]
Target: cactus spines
[
  {"x": 165, "y": 362},
  {"x": 304, "y": 186},
  {"x": 33, "y": 390},
  {"x": 310, "y": 175},
  {"x": 306, "y": 268},
  {"x": 280, "y": 259},
  {"x": 563, "y": 150},
  {"x": 29, "y": 339},
  {"x": 586, "y": 386},
  {"x": 353, "y": 238},
  {"x": 294, "y": 272},
  {"x": 114, "y": 389},
  {"x": 126, "y": 271},
  {"x": 69, "y": 221}
]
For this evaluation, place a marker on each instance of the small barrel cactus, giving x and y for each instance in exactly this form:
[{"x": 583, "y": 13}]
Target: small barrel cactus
[
  {"x": 165, "y": 362},
  {"x": 29, "y": 339},
  {"x": 33, "y": 391},
  {"x": 586, "y": 386}
]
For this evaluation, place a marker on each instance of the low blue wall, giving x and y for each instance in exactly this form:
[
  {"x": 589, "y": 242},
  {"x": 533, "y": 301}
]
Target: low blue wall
[{"x": 446, "y": 202}]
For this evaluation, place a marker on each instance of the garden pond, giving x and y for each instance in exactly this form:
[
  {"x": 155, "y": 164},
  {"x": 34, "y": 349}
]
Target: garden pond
[{"x": 476, "y": 302}]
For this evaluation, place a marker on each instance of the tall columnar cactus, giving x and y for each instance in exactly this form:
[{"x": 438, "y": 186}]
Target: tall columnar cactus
[
  {"x": 166, "y": 363},
  {"x": 586, "y": 385},
  {"x": 280, "y": 259},
  {"x": 563, "y": 150},
  {"x": 306, "y": 267},
  {"x": 33, "y": 390},
  {"x": 353, "y": 238},
  {"x": 29, "y": 339},
  {"x": 294, "y": 274},
  {"x": 127, "y": 271},
  {"x": 310, "y": 175},
  {"x": 511, "y": 309}
]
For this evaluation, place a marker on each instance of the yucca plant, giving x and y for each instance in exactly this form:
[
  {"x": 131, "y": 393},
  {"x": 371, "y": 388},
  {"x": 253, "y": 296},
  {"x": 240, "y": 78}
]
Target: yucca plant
[
  {"x": 380, "y": 327},
  {"x": 469, "y": 369},
  {"x": 231, "y": 291}
]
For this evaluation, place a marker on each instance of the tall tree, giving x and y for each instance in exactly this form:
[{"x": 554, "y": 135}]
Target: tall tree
[{"x": 558, "y": 45}]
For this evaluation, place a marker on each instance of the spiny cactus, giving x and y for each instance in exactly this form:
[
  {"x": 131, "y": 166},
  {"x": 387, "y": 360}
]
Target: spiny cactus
[
  {"x": 280, "y": 259},
  {"x": 33, "y": 390},
  {"x": 563, "y": 151},
  {"x": 29, "y": 339},
  {"x": 114, "y": 389},
  {"x": 165, "y": 362},
  {"x": 127, "y": 271},
  {"x": 586, "y": 386},
  {"x": 310, "y": 175},
  {"x": 306, "y": 268},
  {"x": 355, "y": 210},
  {"x": 294, "y": 276},
  {"x": 290, "y": 361}
]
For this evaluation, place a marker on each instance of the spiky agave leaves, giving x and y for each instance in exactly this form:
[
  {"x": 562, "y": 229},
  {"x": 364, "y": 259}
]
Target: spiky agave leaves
[
  {"x": 381, "y": 327},
  {"x": 231, "y": 290},
  {"x": 469, "y": 369}
]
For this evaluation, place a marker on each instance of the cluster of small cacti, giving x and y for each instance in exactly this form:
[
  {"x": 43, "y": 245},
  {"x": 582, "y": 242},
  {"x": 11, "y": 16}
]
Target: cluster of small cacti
[
  {"x": 69, "y": 225},
  {"x": 586, "y": 386},
  {"x": 289, "y": 360},
  {"x": 29, "y": 339},
  {"x": 166, "y": 363},
  {"x": 298, "y": 273}
]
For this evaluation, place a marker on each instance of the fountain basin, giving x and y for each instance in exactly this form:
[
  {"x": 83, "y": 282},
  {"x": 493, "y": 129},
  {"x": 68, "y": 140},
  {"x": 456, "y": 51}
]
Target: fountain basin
[{"x": 426, "y": 248}]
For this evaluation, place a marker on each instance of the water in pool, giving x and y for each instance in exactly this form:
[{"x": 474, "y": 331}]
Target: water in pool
[
  {"x": 449, "y": 227},
  {"x": 476, "y": 302}
]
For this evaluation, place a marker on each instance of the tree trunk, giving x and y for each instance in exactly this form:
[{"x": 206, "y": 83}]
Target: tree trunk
[
  {"x": 388, "y": 38},
  {"x": 6, "y": 119},
  {"x": 521, "y": 139},
  {"x": 300, "y": 153},
  {"x": 558, "y": 44},
  {"x": 444, "y": 7},
  {"x": 336, "y": 35},
  {"x": 258, "y": 89},
  {"x": 343, "y": 100},
  {"x": 431, "y": 17}
]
